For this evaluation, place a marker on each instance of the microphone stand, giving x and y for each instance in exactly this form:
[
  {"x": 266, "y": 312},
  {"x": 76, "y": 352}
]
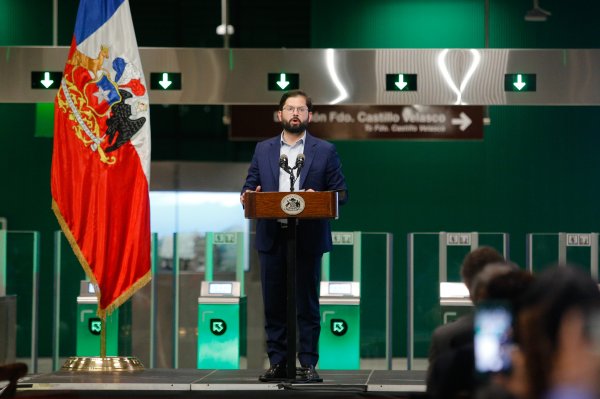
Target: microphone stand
[
  {"x": 291, "y": 310},
  {"x": 292, "y": 180}
]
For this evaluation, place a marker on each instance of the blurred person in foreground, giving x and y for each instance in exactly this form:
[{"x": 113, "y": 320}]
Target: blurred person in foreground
[
  {"x": 454, "y": 374},
  {"x": 453, "y": 334},
  {"x": 558, "y": 331}
]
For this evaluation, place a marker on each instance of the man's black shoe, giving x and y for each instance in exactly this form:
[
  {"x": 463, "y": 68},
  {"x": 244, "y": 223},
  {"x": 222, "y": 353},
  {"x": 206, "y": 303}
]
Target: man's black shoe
[
  {"x": 309, "y": 374},
  {"x": 276, "y": 372}
]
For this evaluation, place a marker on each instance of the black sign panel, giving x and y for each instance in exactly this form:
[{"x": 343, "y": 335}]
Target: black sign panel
[
  {"x": 283, "y": 81},
  {"x": 401, "y": 82},
  {"x": 95, "y": 325},
  {"x": 45, "y": 80},
  {"x": 165, "y": 81},
  {"x": 339, "y": 327},
  {"x": 218, "y": 326},
  {"x": 520, "y": 82}
]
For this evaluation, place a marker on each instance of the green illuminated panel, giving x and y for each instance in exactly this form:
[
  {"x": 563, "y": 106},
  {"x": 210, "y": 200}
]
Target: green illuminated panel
[
  {"x": 218, "y": 336},
  {"x": 339, "y": 344},
  {"x": 45, "y": 80},
  {"x": 165, "y": 81},
  {"x": 283, "y": 81},
  {"x": 520, "y": 82},
  {"x": 401, "y": 82}
]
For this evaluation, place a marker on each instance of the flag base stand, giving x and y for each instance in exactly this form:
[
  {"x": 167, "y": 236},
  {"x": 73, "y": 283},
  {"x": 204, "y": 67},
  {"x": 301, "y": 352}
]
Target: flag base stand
[{"x": 107, "y": 363}]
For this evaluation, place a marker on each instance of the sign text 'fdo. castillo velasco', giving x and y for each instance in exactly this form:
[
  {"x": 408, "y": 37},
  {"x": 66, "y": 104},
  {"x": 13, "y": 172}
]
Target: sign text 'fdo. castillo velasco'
[{"x": 381, "y": 122}]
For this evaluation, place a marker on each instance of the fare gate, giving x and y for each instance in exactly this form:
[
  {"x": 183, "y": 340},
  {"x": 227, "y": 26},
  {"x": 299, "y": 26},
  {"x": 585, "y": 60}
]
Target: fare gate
[
  {"x": 221, "y": 325},
  {"x": 89, "y": 326},
  {"x": 437, "y": 257},
  {"x": 339, "y": 344},
  {"x": 577, "y": 249}
]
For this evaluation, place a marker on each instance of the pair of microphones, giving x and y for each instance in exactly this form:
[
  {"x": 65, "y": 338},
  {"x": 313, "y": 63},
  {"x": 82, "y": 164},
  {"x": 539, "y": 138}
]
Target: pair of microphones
[{"x": 283, "y": 164}]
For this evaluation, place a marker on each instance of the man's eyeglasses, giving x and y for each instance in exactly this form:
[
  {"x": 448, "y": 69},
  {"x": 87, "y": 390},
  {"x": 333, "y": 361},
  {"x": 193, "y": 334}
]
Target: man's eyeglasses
[{"x": 300, "y": 110}]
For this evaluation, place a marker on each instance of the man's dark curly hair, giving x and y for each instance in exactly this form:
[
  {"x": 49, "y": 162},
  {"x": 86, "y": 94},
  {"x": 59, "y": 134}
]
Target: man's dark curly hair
[
  {"x": 295, "y": 93},
  {"x": 475, "y": 262}
]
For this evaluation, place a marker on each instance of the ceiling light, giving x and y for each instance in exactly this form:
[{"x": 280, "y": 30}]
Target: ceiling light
[{"x": 537, "y": 14}]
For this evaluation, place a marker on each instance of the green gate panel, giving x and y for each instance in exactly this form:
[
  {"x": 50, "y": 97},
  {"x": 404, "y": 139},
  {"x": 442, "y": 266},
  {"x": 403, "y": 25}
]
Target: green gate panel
[
  {"x": 339, "y": 344},
  {"x": 219, "y": 336},
  {"x": 89, "y": 331}
]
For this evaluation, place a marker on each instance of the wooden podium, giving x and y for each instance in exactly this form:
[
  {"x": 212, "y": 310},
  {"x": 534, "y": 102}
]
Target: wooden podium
[{"x": 291, "y": 206}]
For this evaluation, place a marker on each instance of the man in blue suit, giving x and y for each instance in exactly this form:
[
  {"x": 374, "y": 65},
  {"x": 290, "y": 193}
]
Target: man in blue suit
[{"x": 322, "y": 171}]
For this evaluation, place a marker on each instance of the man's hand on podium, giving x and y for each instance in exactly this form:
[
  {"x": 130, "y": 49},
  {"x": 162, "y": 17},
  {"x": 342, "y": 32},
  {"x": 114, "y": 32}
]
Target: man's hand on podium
[{"x": 243, "y": 196}]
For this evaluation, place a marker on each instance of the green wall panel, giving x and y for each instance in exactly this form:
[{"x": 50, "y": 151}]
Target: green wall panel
[
  {"x": 392, "y": 23},
  {"x": 25, "y": 23}
]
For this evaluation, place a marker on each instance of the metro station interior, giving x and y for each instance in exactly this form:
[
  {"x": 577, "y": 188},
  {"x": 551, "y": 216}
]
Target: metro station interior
[{"x": 491, "y": 144}]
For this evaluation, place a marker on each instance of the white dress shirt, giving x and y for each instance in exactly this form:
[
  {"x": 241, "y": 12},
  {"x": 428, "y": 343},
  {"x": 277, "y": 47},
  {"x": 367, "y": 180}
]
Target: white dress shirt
[{"x": 291, "y": 151}]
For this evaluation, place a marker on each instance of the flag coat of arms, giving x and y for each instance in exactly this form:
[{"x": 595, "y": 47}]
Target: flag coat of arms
[{"x": 101, "y": 153}]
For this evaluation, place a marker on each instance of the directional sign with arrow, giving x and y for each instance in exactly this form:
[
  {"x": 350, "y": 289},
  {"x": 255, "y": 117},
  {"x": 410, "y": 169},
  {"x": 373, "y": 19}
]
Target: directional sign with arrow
[
  {"x": 45, "y": 80},
  {"x": 339, "y": 327},
  {"x": 165, "y": 81},
  {"x": 400, "y": 82},
  {"x": 218, "y": 326},
  {"x": 283, "y": 81},
  {"x": 463, "y": 121},
  {"x": 95, "y": 325},
  {"x": 372, "y": 122},
  {"x": 520, "y": 82}
]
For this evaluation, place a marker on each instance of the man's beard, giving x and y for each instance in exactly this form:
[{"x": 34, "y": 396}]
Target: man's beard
[{"x": 295, "y": 129}]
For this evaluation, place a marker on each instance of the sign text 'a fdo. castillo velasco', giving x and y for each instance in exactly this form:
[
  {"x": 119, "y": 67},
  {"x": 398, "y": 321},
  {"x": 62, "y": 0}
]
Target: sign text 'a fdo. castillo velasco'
[{"x": 356, "y": 122}]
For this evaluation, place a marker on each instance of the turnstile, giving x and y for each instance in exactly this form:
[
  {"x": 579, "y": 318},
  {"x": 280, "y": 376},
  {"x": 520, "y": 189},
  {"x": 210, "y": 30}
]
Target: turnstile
[
  {"x": 221, "y": 325},
  {"x": 89, "y": 326},
  {"x": 339, "y": 344}
]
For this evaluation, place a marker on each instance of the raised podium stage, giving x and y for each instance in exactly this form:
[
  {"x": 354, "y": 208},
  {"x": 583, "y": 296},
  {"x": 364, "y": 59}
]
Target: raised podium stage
[{"x": 187, "y": 383}]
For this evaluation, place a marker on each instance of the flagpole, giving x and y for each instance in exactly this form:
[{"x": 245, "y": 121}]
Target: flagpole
[{"x": 103, "y": 338}]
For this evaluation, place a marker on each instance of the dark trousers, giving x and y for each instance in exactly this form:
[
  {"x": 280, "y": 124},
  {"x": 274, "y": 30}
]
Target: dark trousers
[{"x": 273, "y": 279}]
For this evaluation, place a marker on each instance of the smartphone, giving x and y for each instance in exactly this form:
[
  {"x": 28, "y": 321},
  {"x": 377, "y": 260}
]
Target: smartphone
[{"x": 493, "y": 338}]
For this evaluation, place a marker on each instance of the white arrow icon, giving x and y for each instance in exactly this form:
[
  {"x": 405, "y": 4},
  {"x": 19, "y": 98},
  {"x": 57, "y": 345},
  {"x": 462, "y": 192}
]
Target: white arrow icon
[
  {"x": 218, "y": 326},
  {"x": 282, "y": 83},
  {"x": 47, "y": 82},
  {"x": 96, "y": 326},
  {"x": 401, "y": 84},
  {"x": 338, "y": 326},
  {"x": 165, "y": 82},
  {"x": 464, "y": 121},
  {"x": 519, "y": 84}
]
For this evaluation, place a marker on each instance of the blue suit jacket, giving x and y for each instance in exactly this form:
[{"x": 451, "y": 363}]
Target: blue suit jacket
[{"x": 322, "y": 172}]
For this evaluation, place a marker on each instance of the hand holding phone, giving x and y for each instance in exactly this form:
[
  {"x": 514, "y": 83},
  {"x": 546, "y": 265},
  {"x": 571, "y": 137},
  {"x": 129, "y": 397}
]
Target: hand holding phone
[{"x": 493, "y": 338}]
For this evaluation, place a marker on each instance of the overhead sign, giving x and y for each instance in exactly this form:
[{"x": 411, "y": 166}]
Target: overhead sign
[
  {"x": 363, "y": 122},
  {"x": 165, "y": 81},
  {"x": 520, "y": 82},
  {"x": 283, "y": 81},
  {"x": 401, "y": 82},
  {"x": 45, "y": 79}
]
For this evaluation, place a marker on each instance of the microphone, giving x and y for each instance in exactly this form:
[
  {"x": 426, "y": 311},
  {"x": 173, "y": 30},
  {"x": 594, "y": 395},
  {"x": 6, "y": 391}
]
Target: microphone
[
  {"x": 283, "y": 163},
  {"x": 299, "y": 162}
]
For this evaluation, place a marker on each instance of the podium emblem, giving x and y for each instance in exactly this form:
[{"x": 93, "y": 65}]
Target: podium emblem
[{"x": 292, "y": 204}]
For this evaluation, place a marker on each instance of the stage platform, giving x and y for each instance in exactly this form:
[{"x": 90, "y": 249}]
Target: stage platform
[{"x": 184, "y": 383}]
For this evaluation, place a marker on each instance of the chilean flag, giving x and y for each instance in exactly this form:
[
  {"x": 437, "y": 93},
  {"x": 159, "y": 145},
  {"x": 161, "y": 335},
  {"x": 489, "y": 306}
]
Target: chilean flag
[{"x": 101, "y": 154}]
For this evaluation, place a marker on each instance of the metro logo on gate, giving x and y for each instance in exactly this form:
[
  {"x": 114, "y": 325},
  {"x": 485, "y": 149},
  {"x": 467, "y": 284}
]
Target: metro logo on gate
[{"x": 339, "y": 327}]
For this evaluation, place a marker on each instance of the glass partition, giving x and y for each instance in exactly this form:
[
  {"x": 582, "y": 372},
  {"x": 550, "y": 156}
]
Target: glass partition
[
  {"x": 367, "y": 257},
  {"x": 21, "y": 265},
  {"x": 433, "y": 259},
  {"x": 577, "y": 249}
]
